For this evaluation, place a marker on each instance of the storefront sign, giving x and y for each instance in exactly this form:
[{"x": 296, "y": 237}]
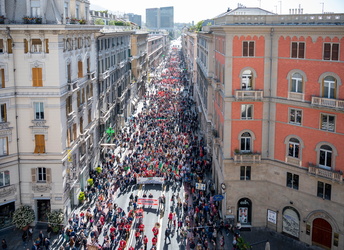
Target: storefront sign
[
  {"x": 218, "y": 197},
  {"x": 272, "y": 216}
]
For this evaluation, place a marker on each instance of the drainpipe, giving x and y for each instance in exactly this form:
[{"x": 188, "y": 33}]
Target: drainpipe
[
  {"x": 270, "y": 91},
  {"x": 16, "y": 113}
]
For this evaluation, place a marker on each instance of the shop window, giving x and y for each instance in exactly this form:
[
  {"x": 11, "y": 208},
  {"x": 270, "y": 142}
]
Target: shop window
[
  {"x": 39, "y": 144},
  {"x": 291, "y": 222},
  {"x": 244, "y": 211},
  {"x": 245, "y": 142},
  {"x": 296, "y": 83},
  {"x": 329, "y": 87},
  {"x": 246, "y": 111},
  {"x": 297, "y": 50},
  {"x": 327, "y": 122},
  {"x": 248, "y": 48},
  {"x": 294, "y": 148},
  {"x": 245, "y": 173},
  {"x": 331, "y": 51},
  {"x": 293, "y": 180},
  {"x": 37, "y": 76},
  {"x": 325, "y": 157},
  {"x": 324, "y": 190},
  {"x": 3, "y": 146},
  {"x": 3, "y": 112},
  {"x": 39, "y": 110},
  {"x": 295, "y": 116}
]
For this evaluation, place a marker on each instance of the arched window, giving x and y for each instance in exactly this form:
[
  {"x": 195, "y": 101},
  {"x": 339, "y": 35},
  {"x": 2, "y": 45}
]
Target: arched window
[
  {"x": 246, "y": 80},
  {"x": 294, "y": 148},
  {"x": 245, "y": 142},
  {"x": 296, "y": 83},
  {"x": 329, "y": 87},
  {"x": 325, "y": 157}
]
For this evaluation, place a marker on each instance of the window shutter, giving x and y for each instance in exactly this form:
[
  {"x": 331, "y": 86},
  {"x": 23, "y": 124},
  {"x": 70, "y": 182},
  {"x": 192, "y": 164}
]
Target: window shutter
[
  {"x": 26, "y": 46},
  {"x": 9, "y": 46},
  {"x": 33, "y": 174},
  {"x": 48, "y": 175},
  {"x": 80, "y": 74},
  {"x": 294, "y": 50},
  {"x": 42, "y": 144},
  {"x": 46, "y": 45},
  {"x": 37, "y": 80},
  {"x": 2, "y": 78},
  {"x": 244, "y": 49},
  {"x": 301, "y": 50},
  {"x": 335, "y": 49},
  {"x": 327, "y": 51}
]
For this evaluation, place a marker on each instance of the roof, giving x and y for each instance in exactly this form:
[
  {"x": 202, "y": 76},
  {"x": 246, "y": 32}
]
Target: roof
[{"x": 246, "y": 11}]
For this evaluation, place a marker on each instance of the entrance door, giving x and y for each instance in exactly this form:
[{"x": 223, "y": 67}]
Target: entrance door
[
  {"x": 43, "y": 207},
  {"x": 322, "y": 233}
]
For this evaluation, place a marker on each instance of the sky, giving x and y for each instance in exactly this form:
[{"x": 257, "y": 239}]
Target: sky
[{"x": 186, "y": 11}]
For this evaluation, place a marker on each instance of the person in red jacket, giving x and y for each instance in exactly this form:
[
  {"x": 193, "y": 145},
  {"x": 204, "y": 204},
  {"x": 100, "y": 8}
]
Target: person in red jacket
[
  {"x": 122, "y": 244},
  {"x": 145, "y": 241},
  {"x": 155, "y": 231},
  {"x": 141, "y": 227},
  {"x": 154, "y": 241}
]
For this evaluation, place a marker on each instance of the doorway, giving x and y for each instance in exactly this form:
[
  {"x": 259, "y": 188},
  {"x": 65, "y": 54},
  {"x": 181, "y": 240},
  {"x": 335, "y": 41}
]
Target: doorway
[
  {"x": 43, "y": 207},
  {"x": 322, "y": 233}
]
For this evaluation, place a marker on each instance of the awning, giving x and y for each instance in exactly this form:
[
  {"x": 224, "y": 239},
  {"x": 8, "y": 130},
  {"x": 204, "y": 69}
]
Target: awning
[{"x": 7, "y": 202}]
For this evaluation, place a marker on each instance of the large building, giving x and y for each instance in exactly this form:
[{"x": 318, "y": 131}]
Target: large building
[
  {"x": 270, "y": 97},
  {"x": 160, "y": 18},
  {"x": 134, "y": 18},
  {"x": 48, "y": 99}
]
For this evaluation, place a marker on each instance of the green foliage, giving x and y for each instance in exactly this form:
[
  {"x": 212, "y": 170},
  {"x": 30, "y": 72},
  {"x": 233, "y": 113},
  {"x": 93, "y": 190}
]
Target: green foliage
[
  {"x": 197, "y": 27},
  {"x": 23, "y": 216},
  {"x": 119, "y": 23},
  {"x": 99, "y": 21},
  {"x": 81, "y": 196},
  {"x": 242, "y": 245},
  {"x": 55, "y": 219}
]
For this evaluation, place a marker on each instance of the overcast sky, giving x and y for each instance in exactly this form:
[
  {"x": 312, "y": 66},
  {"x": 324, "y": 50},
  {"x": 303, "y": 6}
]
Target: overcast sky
[{"x": 197, "y": 10}]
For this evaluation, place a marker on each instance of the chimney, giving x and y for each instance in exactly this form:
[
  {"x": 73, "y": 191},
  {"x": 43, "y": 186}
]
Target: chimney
[
  {"x": 301, "y": 11},
  {"x": 289, "y": 11}
]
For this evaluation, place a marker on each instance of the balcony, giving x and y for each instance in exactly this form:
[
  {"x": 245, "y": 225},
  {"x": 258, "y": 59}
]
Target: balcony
[
  {"x": 327, "y": 102},
  {"x": 104, "y": 75},
  {"x": 91, "y": 75},
  {"x": 296, "y": 96},
  {"x": 318, "y": 171},
  {"x": 241, "y": 157},
  {"x": 252, "y": 95},
  {"x": 7, "y": 191},
  {"x": 71, "y": 116},
  {"x": 293, "y": 161},
  {"x": 72, "y": 85}
]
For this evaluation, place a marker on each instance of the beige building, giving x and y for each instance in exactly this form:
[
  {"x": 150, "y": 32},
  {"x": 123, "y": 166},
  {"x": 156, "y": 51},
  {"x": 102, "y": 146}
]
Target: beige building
[{"x": 48, "y": 129}]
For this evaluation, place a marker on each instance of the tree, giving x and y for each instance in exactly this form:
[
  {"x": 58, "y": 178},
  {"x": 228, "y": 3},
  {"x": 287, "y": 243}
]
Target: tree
[
  {"x": 23, "y": 216},
  {"x": 55, "y": 218},
  {"x": 99, "y": 21}
]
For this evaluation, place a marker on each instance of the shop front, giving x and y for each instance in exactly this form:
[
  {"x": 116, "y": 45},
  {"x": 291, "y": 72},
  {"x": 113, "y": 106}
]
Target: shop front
[
  {"x": 291, "y": 222},
  {"x": 244, "y": 213},
  {"x": 6, "y": 212},
  {"x": 43, "y": 207}
]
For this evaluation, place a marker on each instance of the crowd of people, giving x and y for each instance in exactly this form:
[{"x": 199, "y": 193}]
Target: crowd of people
[{"x": 160, "y": 141}]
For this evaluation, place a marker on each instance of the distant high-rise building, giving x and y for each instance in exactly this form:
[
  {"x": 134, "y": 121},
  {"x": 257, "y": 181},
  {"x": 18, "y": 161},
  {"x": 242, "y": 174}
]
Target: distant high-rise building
[
  {"x": 166, "y": 17},
  {"x": 135, "y": 18},
  {"x": 152, "y": 15},
  {"x": 160, "y": 18}
]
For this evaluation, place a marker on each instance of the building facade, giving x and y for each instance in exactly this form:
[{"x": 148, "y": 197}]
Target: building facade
[
  {"x": 160, "y": 18},
  {"x": 48, "y": 106},
  {"x": 276, "y": 112},
  {"x": 152, "y": 18}
]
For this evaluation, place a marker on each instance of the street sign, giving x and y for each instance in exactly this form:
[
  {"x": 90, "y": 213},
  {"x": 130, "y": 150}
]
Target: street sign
[
  {"x": 200, "y": 186},
  {"x": 218, "y": 197}
]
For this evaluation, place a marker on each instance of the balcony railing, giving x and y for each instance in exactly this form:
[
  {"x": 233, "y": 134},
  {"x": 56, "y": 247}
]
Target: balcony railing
[
  {"x": 91, "y": 75},
  {"x": 72, "y": 85},
  {"x": 325, "y": 173},
  {"x": 247, "y": 157},
  {"x": 249, "y": 94},
  {"x": 7, "y": 191},
  {"x": 327, "y": 102}
]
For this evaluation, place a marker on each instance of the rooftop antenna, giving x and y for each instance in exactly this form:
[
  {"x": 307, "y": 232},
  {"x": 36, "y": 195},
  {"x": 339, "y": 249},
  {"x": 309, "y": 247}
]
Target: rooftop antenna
[
  {"x": 280, "y": 2},
  {"x": 260, "y": 2},
  {"x": 322, "y": 9}
]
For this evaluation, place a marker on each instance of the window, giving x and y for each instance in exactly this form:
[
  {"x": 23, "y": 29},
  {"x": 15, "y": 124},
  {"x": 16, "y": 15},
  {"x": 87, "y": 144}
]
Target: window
[
  {"x": 325, "y": 157},
  {"x": 331, "y": 51},
  {"x": 298, "y": 50},
  {"x": 246, "y": 80},
  {"x": 294, "y": 147},
  {"x": 245, "y": 173},
  {"x": 41, "y": 174},
  {"x": 245, "y": 142},
  {"x": 2, "y": 78},
  {"x": 296, "y": 83},
  {"x": 80, "y": 73},
  {"x": 248, "y": 48},
  {"x": 246, "y": 111},
  {"x": 3, "y": 112},
  {"x": 2, "y": 46},
  {"x": 292, "y": 181},
  {"x": 39, "y": 110},
  {"x": 89, "y": 116},
  {"x": 37, "y": 80},
  {"x": 81, "y": 125},
  {"x": 295, "y": 116},
  {"x": 39, "y": 144},
  {"x": 35, "y": 8},
  {"x": 324, "y": 190},
  {"x": 69, "y": 73},
  {"x": 328, "y": 122},
  {"x": 329, "y": 87},
  {"x": 4, "y": 178},
  {"x": 77, "y": 12},
  {"x": 3, "y": 146},
  {"x": 69, "y": 108},
  {"x": 36, "y": 46}
]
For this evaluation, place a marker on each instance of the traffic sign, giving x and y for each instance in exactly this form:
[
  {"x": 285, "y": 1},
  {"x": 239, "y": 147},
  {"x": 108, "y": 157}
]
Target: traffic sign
[{"x": 218, "y": 197}]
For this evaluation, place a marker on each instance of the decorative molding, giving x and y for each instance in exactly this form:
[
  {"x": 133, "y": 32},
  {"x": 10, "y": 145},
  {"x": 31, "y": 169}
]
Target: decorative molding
[
  {"x": 41, "y": 187},
  {"x": 7, "y": 191}
]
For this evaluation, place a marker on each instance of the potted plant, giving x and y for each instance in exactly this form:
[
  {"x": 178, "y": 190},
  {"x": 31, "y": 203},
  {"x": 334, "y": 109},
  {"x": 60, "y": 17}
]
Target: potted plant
[
  {"x": 82, "y": 21},
  {"x": 236, "y": 151},
  {"x": 27, "y": 19},
  {"x": 38, "y": 20},
  {"x": 55, "y": 218},
  {"x": 74, "y": 21},
  {"x": 81, "y": 197},
  {"x": 23, "y": 217}
]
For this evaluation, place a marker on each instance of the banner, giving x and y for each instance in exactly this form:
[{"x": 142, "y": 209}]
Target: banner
[
  {"x": 150, "y": 180},
  {"x": 148, "y": 201}
]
